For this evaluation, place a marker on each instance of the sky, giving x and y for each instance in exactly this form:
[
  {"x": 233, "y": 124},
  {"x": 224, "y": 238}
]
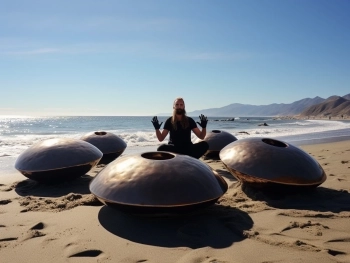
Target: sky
[{"x": 134, "y": 57}]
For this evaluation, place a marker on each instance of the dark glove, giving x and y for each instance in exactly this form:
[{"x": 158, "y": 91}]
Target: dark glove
[
  {"x": 155, "y": 123},
  {"x": 203, "y": 120}
]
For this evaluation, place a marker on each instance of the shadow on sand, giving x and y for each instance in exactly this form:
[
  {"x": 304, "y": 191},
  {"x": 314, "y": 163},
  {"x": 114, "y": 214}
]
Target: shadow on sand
[
  {"x": 30, "y": 187},
  {"x": 216, "y": 226},
  {"x": 319, "y": 199}
]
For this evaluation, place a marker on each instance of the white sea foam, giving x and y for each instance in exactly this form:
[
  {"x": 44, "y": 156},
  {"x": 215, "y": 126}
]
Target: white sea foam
[{"x": 16, "y": 141}]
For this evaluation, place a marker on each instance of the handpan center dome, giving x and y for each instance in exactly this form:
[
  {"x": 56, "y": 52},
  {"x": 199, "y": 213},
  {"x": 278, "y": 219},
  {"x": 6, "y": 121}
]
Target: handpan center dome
[
  {"x": 100, "y": 133},
  {"x": 158, "y": 155},
  {"x": 274, "y": 142}
]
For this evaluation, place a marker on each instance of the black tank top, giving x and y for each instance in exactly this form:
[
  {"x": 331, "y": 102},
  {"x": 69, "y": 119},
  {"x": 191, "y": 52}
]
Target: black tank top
[{"x": 181, "y": 137}]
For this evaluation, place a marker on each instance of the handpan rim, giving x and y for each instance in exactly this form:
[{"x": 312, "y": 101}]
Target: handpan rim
[
  {"x": 258, "y": 180},
  {"x": 53, "y": 169},
  {"x": 157, "y": 206}
]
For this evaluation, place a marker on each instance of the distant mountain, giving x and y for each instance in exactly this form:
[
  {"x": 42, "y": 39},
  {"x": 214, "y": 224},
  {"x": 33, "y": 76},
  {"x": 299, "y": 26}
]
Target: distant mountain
[
  {"x": 333, "y": 106},
  {"x": 347, "y": 97},
  {"x": 237, "y": 109}
]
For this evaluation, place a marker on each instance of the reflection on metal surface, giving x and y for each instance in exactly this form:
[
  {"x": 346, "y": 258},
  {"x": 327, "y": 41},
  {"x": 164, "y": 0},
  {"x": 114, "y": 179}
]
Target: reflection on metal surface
[
  {"x": 264, "y": 162},
  {"x": 55, "y": 160},
  {"x": 217, "y": 140},
  {"x": 158, "y": 182},
  {"x": 108, "y": 143}
]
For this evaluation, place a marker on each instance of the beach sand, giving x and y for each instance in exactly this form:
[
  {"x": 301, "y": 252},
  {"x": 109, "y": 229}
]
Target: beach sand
[{"x": 65, "y": 223}]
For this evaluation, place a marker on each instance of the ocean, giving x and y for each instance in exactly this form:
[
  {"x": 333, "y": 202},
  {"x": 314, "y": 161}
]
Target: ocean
[{"x": 19, "y": 133}]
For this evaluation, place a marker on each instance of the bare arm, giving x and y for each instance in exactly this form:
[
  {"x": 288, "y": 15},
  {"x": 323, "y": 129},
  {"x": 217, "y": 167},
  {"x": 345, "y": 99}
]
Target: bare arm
[
  {"x": 200, "y": 134},
  {"x": 161, "y": 134}
]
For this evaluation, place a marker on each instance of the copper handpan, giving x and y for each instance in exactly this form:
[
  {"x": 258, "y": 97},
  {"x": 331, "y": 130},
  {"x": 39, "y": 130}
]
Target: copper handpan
[
  {"x": 108, "y": 143},
  {"x": 56, "y": 160},
  {"x": 157, "y": 183},
  {"x": 266, "y": 162},
  {"x": 217, "y": 140}
]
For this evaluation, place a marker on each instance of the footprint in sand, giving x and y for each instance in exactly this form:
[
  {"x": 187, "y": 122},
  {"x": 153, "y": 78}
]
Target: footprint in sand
[
  {"x": 335, "y": 252},
  {"x": 75, "y": 246},
  {"x": 38, "y": 226},
  {"x": 5, "y": 188},
  {"x": 347, "y": 239},
  {"x": 87, "y": 253},
  {"x": 338, "y": 240},
  {"x": 34, "y": 232},
  {"x": 8, "y": 239},
  {"x": 4, "y": 242},
  {"x": 5, "y": 201},
  {"x": 302, "y": 225}
]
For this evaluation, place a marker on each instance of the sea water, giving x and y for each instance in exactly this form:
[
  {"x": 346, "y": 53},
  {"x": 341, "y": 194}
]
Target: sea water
[{"x": 19, "y": 133}]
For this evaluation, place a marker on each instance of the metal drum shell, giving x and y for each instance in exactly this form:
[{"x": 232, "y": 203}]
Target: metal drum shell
[
  {"x": 108, "y": 143},
  {"x": 57, "y": 159},
  {"x": 157, "y": 181},
  {"x": 269, "y": 162},
  {"x": 217, "y": 140}
]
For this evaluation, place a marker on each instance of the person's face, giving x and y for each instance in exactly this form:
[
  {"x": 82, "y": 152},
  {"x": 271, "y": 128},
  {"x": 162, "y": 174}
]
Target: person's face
[{"x": 179, "y": 107}]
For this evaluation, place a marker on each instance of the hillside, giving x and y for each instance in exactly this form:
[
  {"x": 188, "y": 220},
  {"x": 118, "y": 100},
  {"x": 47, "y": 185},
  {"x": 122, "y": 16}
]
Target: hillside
[
  {"x": 237, "y": 109},
  {"x": 333, "y": 106}
]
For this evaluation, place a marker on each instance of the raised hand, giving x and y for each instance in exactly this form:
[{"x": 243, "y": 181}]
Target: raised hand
[
  {"x": 155, "y": 123},
  {"x": 203, "y": 121}
]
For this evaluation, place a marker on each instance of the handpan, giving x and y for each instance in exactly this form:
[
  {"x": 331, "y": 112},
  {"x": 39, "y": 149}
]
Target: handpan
[
  {"x": 108, "y": 143},
  {"x": 157, "y": 183},
  {"x": 56, "y": 160},
  {"x": 217, "y": 140},
  {"x": 266, "y": 162}
]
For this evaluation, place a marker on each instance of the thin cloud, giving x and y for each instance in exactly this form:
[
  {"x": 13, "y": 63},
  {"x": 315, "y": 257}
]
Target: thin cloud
[
  {"x": 98, "y": 24},
  {"x": 34, "y": 51},
  {"x": 212, "y": 56},
  {"x": 145, "y": 49}
]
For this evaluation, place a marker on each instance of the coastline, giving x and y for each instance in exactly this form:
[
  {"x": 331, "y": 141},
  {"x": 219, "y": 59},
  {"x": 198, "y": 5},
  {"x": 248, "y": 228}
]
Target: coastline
[{"x": 65, "y": 223}]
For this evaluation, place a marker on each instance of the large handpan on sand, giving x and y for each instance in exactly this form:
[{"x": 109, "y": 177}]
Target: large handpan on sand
[
  {"x": 265, "y": 162},
  {"x": 217, "y": 140},
  {"x": 158, "y": 183},
  {"x": 55, "y": 160},
  {"x": 108, "y": 143}
]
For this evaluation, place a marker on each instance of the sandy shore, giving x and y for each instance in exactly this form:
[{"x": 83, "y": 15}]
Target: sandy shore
[{"x": 65, "y": 223}]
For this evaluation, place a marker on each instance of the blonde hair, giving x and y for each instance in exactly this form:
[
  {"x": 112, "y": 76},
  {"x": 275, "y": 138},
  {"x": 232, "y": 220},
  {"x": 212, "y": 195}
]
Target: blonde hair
[{"x": 184, "y": 121}]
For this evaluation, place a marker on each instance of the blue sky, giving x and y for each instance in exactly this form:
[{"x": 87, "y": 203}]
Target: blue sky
[{"x": 110, "y": 57}]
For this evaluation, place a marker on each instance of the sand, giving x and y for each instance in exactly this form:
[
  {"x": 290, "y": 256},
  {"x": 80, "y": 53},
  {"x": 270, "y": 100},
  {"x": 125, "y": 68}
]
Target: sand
[{"x": 66, "y": 223}]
